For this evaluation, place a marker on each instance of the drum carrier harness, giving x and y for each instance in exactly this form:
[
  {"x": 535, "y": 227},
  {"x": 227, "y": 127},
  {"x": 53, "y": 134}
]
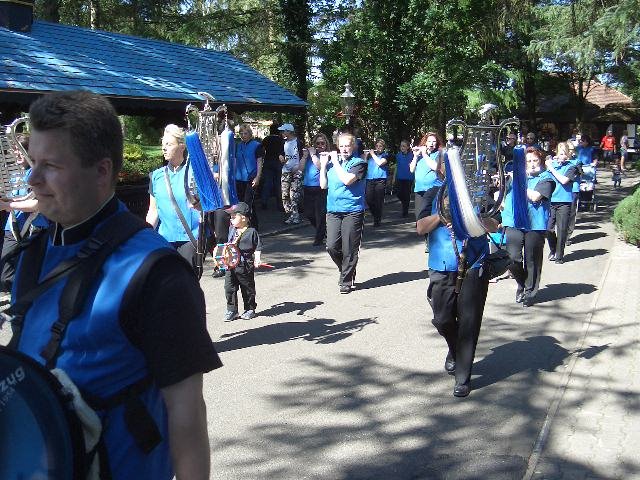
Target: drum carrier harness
[{"x": 81, "y": 270}]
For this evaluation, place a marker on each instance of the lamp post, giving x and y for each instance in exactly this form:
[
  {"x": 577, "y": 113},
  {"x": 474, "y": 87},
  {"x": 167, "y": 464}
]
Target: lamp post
[{"x": 347, "y": 100}]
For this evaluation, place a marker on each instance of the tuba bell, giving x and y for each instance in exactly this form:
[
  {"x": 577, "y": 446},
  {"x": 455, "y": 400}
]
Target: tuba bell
[
  {"x": 217, "y": 139},
  {"x": 14, "y": 162}
]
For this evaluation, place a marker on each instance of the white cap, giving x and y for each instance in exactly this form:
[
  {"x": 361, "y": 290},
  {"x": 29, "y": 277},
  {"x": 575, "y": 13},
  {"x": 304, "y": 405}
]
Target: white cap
[{"x": 287, "y": 127}]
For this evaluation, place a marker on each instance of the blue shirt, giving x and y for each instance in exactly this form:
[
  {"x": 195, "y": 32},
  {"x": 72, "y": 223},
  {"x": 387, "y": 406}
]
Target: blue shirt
[
  {"x": 247, "y": 160},
  {"x": 311, "y": 174},
  {"x": 343, "y": 198},
  {"x": 375, "y": 171},
  {"x": 402, "y": 165},
  {"x": 170, "y": 225},
  {"x": 425, "y": 177}
]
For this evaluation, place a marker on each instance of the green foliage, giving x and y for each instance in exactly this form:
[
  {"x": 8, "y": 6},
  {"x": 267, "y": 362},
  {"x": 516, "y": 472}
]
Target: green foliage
[
  {"x": 626, "y": 218},
  {"x": 138, "y": 163},
  {"x": 140, "y": 130}
]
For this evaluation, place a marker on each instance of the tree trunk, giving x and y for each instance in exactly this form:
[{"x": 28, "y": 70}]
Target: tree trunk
[{"x": 94, "y": 8}]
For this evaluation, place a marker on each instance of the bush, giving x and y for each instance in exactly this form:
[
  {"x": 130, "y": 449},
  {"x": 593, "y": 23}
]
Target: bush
[
  {"x": 137, "y": 164},
  {"x": 626, "y": 218}
]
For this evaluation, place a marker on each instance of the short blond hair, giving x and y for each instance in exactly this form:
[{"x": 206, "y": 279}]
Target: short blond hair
[
  {"x": 175, "y": 132},
  {"x": 351, "y": 136}
]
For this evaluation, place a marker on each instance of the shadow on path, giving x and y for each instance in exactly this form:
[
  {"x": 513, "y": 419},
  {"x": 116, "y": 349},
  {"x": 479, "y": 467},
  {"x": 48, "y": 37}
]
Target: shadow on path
[
  {"x": 320, "y": 330},
  {"x": 583, "y": 254},
  {"x": 557, "y": 291},
  {"x": 585, "y": 237},
  {"x": 392, "y": 279},
  {"x": 288, "y": 307},
  {"x": 540, "y": 353}
]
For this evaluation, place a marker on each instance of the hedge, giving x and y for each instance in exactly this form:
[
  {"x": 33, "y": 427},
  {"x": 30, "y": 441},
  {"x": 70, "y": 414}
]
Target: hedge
[
  {"x": 137, "y": 164},
  {"x": 626, "y": 218}
]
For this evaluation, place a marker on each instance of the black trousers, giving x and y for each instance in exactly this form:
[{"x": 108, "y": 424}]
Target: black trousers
[
  {"x": 558, "y": 227},
  {"x": 219, "y": 223},
  {"x": 315, "y": 209},
  {"x": 242, "y": 276},
  {"x": 247, "y": 194},
  {"x": 528, "y": 269},
  {"x": 572, "y": 215},
  {"x": 186, "y": 251},
  {"x": 420, "y": 201},
  {"x": 344, "y": 234},
  {"x": 374, "y": 195},
  {"x": 403, "y": 192},
  {"x": 458, "y": 317}
]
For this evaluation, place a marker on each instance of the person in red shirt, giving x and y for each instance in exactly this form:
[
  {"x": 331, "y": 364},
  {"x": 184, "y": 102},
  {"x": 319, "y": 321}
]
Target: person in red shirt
[{"x": 608, "y": 146}]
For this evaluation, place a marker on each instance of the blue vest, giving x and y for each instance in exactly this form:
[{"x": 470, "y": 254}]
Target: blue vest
[
  {"x": 425, "y": 177},
  {"x": 170, "y": 226},
  {"x": 538, "y": 211},
  {"x": 97, "y": 355},
  {"x": 443, "y": 258},
  {"x": 585, "y": 154},
  {"x": 311, "y": 174},
  {"x": 402, "y": 165},
  {"x": 562, "y": 193},
  {"x": 343, "y": 198},
  {"x": 246, "y": 161},
  {"x": 374, "y": 171}
]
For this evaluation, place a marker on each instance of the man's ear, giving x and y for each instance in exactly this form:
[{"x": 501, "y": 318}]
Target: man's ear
[{"x": 104, "y": 168}]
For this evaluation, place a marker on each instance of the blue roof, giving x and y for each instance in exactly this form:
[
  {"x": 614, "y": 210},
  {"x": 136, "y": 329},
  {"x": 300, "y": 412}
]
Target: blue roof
[{"x": 54, "y": 57}]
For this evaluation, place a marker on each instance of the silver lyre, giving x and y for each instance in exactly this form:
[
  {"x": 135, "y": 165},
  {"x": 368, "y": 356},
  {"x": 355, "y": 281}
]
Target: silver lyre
[
  {"x": 477, "y": 169},
  {"x": 14, "y": 162},
  {"x": 211, "y": 126}
]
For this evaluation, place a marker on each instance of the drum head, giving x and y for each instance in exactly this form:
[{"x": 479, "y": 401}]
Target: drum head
[{"x": 39, "y": 435}]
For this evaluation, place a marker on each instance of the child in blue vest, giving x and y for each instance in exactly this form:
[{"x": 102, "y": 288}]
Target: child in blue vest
[
  {"x": 377, "y": 172},
  {"x": 248, "y": 242},
  {"x": 404, "y": 176}
]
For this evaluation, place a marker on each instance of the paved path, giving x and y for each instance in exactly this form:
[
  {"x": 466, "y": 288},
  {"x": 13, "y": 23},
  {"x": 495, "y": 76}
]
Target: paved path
[{"x": 325, "y": 386}]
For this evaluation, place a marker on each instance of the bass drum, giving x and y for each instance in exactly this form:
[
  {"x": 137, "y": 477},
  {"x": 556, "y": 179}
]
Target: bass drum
[{"x": 39, "y": 433}]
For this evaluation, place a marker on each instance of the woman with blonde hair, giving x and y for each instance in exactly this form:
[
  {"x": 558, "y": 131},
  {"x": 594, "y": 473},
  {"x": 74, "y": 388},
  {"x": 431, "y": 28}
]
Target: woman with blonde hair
[
  {"x": 343, "y": 175},
  {"x": 168, "y": 200},
  {"x": 564, "y": 173}
]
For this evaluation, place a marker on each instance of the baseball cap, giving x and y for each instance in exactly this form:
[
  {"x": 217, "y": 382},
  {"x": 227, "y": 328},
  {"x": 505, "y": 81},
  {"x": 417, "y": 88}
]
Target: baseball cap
[
  {"x": 241, "y": 208},
  {"x": 287, "y": 127}
]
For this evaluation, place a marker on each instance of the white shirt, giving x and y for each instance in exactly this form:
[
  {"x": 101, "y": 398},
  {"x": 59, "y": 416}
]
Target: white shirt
[{"x": 291, "y": 155}]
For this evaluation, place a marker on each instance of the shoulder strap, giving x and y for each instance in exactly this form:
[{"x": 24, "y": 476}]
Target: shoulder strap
[
  {"x": 179, "y": 213},
  {"x": 109, "y": 236}
]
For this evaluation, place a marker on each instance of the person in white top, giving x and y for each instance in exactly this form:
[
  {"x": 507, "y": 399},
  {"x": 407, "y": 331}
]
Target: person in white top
[{"x": 292, "y": 173}]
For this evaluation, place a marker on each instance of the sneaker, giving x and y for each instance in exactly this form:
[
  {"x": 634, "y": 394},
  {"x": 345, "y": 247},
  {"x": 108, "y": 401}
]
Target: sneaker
[
  {"x": 295, "y": 218},
  {"x": 289, "y": 220},
  {"x": 230, "y": 315},
  {"x": 344, "y": 289},
  {"x": 217, "y": 273},
  {"x": 552, "y": 256},
  {"x": 248, "y": 315}
]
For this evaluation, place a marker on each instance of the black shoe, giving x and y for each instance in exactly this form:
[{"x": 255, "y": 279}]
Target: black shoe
[
  {"x": 461, "y": 390},
  {"x": 568, "y": 242},
  {"x": 552, "y": 256},
  {"x": 519, "y": 295},
  {"x": 559, "y": 261},
  {"x": 344, "y": 289},
  {"x": 217, "y": 273},
  {"x": 527, "y": 300},
  {"x": 450, "y": 364}
]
